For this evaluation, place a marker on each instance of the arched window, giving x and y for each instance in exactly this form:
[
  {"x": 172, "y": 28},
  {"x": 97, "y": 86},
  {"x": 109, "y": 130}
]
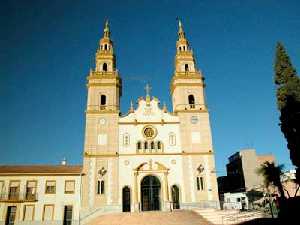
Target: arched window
[
  {"x": 152, "y": 145},
  {"x": 183, "y": 48},
  {"x": 139, "y": 145},
  {"x": 145, "y": 145},
  {"x": 159, "y": 145},
  {"x": 200, "y": 184},
  {"x": 104, "y": 67},
  {"x": 186, "y": 67},
  {"x": 179, "y": 48},
  {"x": 102, "y": 187},
  {"x": 98, "y": 187},
  {"x": 103, "y": 100},
  {"x": 105, "y": 47},
  {"x": 191, "y": 101},
  {"x": 172, "y": 139},
  {"x": 126, "y": 139}
]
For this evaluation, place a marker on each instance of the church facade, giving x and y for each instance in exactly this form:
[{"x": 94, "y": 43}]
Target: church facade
[{"x": 150, "y": 158}]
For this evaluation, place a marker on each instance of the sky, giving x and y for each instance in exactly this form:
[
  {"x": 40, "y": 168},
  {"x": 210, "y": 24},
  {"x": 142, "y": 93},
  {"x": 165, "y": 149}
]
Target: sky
[{"x": 48, "y": 47}]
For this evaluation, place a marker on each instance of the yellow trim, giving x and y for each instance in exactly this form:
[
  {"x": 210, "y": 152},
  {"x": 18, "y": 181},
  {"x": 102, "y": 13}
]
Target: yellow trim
[
  {"x": 135, "y": 123},
  {"x": 46, "y": 187},
  {"x": 103, "y": 85},
  {"x": 39, "y": 174},
  {"x": 191, "y": 111},
  {"x": 86, "y": 154},
  {"x": 101, "y": 111},
  {"x": 173, "y": 86}
]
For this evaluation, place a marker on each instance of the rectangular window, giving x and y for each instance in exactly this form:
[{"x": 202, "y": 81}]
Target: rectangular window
[
  {"x": 198, "y": 183},
  {"x": 14, "y": 190},
  {"x": 196, "y": 138},
  {"x": 11, "y": 215},
  {"x": 68, "y": 211},
  {"x": 69, "y": 186},
  {"x": 48, "y": 213},
  {"x": 100, "y": 187},
  {"x": 30, "y": 190},
  {"x": 1, "y": 186},
  {"x": 28, "y": 213},
  {"x": 50, "y": 187},
  {"x": 102, "y": 139}
]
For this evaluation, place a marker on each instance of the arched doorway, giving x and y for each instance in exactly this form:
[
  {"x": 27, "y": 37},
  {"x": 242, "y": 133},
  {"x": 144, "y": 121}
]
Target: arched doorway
[
  {"x": 126, "y": 199},
  {"x": 150, "y": 193},
  {"x": 175, "y": 196}
]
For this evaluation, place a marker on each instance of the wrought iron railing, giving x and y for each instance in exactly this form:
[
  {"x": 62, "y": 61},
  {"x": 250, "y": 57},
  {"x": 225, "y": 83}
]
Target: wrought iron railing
[
  {"x": 190, "y": 107},
  {"x": 18, "y": 196}
]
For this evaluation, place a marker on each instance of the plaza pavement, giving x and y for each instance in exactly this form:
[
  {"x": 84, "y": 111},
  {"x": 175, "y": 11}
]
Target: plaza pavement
[{"x": 178, "y": 217}]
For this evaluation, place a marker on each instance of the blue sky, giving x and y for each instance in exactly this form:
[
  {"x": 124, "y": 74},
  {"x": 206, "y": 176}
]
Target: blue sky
[{"x": 48, "y": 47}]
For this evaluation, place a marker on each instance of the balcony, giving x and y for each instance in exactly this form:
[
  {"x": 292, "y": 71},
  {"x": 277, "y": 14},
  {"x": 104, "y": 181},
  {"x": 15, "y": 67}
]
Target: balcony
[
  {"x": 190, "y": 107},
  {"x": 102, "y": 108},
  {"x": 18, "y": 197}
]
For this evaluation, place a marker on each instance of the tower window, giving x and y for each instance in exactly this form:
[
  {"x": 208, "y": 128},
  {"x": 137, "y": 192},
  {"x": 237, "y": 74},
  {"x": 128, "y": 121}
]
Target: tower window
[
  {"x": 104, "y": 67},
  {"x": 191, "y": 101},
  {"x": 186, "y": 67},
  {"x": 103, "y": 100},
  {"x": 179, "y": 48},
  {"x": 105, "y": 47}
]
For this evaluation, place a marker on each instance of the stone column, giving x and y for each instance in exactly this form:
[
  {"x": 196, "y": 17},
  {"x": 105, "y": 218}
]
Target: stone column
[
  {"x": 135, "y": 194},
  {"x": 166, "y": 192}
]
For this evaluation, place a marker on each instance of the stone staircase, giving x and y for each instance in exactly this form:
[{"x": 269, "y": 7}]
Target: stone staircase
[{"x": 222, "y": 217}]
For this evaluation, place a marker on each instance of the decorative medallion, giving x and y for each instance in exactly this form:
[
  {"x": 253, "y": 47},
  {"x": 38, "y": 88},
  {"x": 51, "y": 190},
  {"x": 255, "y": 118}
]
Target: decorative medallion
[
  {"x": 102, "y": 121},
  {"x": 149, "y": 132}
]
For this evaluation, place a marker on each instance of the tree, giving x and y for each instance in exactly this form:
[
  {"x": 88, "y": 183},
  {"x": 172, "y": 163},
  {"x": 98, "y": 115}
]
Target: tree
[
  {"x": 288, "y": 102},
  {"x": 272, "y": 176}
]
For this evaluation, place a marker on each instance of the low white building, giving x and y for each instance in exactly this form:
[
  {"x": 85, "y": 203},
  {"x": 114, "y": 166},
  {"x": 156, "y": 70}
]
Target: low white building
[
  {"x": 237, "y": 200},
  {"x": 40, "y": 194}
]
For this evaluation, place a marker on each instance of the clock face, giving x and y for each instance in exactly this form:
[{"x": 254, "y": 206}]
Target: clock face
[
  {"x": 149, "y": 132},
  {"x": 102, "y": 121},
  {"x": 194, "y": 119}
]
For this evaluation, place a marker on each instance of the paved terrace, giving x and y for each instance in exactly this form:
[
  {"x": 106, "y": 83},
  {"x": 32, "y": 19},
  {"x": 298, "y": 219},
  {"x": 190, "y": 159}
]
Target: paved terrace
[{"x": 180, "y": 217}]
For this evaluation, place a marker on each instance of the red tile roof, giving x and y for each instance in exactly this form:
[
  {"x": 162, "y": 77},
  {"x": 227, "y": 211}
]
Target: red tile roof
[{"x": 40, "y": 169}]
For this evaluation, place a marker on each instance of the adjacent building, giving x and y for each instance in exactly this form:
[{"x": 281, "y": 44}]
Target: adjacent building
[
  {"x": 40, "y": 194},
  {"x": 242, "y": 171}
]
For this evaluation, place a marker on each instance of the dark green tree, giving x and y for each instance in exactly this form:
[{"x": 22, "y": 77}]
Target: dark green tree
[
  {"x": 272, "y": 176},
  {"x": 288, "y": 102}
]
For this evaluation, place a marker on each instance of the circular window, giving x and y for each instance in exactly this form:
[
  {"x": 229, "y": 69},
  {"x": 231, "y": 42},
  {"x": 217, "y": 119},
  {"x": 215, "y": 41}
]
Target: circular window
[{"x": 149, "y": 132}]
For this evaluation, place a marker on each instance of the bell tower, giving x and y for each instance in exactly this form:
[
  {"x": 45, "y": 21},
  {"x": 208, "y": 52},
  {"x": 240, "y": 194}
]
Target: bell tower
[
  {"x": 187, "y": 91},
  {"x": 187, "y": 83},
  {"x": 101, "y": 130}
]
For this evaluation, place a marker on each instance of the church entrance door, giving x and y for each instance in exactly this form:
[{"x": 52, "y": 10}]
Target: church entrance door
[
  {"x": 150, "y": 193},
  {"x": 126, "y": 199},
  {"x": 175, "y": 197}
]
